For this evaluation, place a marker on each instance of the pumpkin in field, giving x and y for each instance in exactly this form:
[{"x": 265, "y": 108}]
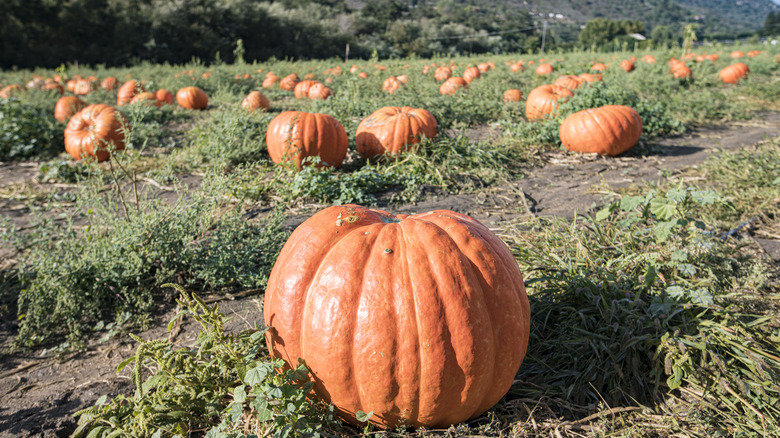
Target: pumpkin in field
[
  {"x": 270, "y": 80},
  {"x": 544, "y": 100},
  {"x": 733, "y": 73},
  {"x": 544, "y": 69},
  {"x": 680, "y": 71},
  {"x": 289, "y": 82},
  {"x": 11, "y": 90},
  {"x": 516, "y": 67},
  {"x": 192, "y": 98},
  {"x": 66, "y": 107},
  {"x": 146, "y": 98},
  {"x": 297, "y": 135},
  {"x": 627, "y": 65},
  {"x": 421, "y": 319},
  {"x": 82, "y": 87},
  {"x": 442, "y": 73},
  {"x": 320, "y": 91},
  {"x": 53, "y": 86},
  {"x": 451, "y": 85},
  {"x": 483, "y": 67},
  {"x": 393, "y": 130},
  {"x": 301, "y": 89},
  {"x": 591, "y": 77},
  {"x": 109, "y": 84},
  {"x": 649, "y": 59},
  {"x": 96, "y": 131},
  {"x": 737, "y": 54},
  {"x": 470, "y": 74},
  {"x": 608, "y": 130},
  {"x": 256, "y": 100},
  {"x": 404, "y": 79},
  {"x": 127, "y": 91},
  {"x": 363, "y": 75},
  {"x": 513, "y": 95},
  {"x": 391, "y": 85},
  {"x": 571, "y": 82},
  {"x": 164, "y": 97},
  {"x": 599, "y": 66}
]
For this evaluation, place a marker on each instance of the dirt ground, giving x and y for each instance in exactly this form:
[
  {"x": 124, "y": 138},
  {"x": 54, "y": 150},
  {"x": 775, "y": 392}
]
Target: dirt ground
[{"x": 39, "y": 392}]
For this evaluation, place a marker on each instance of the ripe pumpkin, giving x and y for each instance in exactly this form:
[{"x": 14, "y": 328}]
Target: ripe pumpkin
[
  {"x": 599, "y": 66},
  {"x": 393, "y": 130},
  {"x": 442, "y": 73},
  {"x": 11, "y": 90},
  {"x": 680, "y": 71},
  {"x": 470, "y": 74},
  {"x": 570, "y": 81},
  {"x": 737, "y": 54},
  {"x": 733, "y": 73},
  {"x": 544, "y": 100},
  {"x": 127, "y": 91},
  {"x": 649, "y": 59},
  {"x": 608, "y": 130},
  {"x": 147, "y": 98},
  {"x": 110, "y": 83},
  {"x": 270, "y": 80},
  {"x": 513, "y": 95},
  {"x": 544, "y": 69},
  {"x": 591, "y": 77},
  {"x": 391, "y": 85},
  {"x": 627, "y": 65},
  {"x": 363, "y": 75},
  {"x": 451, "y": 85},
  {"x": 164, "y": 97},
  {"x": 66, "y": 107},
  {"x": 301, "y": 89},
  {"x": 256, "y": 100},
  {"x": 516, "y": 67},
  {"x": 289, "y": 82},
  {"x": 320, "y": 91},
  {"x": 53, "y": 86},
  {"x": 297, "y": 135},
  {"x": 192, "y": 98},
  {"x": 422, "y": 319},
  {"x": 96, "y": 131}
]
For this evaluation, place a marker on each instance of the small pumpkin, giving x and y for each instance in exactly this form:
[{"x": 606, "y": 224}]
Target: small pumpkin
[
  {"x": 608, "y": 130},
  {"x": 591, "y": 77},
  {"x": 301, "y": 89},
  {"x": 451, "y": 85},
  {"x": 393, "y": 130},
  {"x": 109, "y": 84},
  {"x": 289, "y": 82},
  {"x": 734, "y": 73},
  {"x": 599, "y": 66},
  {"x": 164, "y": 97},
  {"x": 66, "y": 107},
  {"x": 11, "y": 90},
  {"x": 544, "y": 69},
  {"x": 391, "y": 85},
  {"x": 270, "y": 80},
  {"x": 513, "y": 95},
  {"x": 192, "y": 98},
  {"x": 53, "y": 86},
  {"x": 127, "y": 91},
  {"x": 442, "y": 73},
  {"x": 649, "y": 59},
  {"x": 516, "y": 67},
  {"x": 543, "y": 101},
  {"x": 255, "y": 101},
  {"x": 421, "y": 319},
  {"x": 470, "y": 74},
  {"x": 146, "y": 98},
  {"x": 297, "y": 135},
  {"x": 96, "y": 131},
  {"x": 737, "y": 54},
  {"x": 320, "y": 91},
  {"x": 571, "y": 82},
  {"x": 627, "y": 66}
]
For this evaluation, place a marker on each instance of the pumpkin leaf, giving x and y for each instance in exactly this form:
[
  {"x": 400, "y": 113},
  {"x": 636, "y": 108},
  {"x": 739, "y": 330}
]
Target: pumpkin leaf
[{"x": 363, "y": 416}]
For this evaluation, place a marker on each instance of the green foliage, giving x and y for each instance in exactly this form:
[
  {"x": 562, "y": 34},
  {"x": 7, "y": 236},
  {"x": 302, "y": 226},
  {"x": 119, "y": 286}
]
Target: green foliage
[
  {"x": 27, "y": 131},
  {"x": 112, "y": 256},
  {"x": 639, "y": 301},
  {"x": 231, "y": 137},
  {"x": 226, "y": 385}
]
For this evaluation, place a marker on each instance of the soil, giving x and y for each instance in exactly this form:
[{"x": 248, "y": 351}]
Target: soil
[{"x": 39, "y": 391}]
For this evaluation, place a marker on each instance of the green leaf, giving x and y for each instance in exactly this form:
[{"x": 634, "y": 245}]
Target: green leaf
[
  {"x": 630, "y": 203},
  {"x": 663, "y": 230},
  {"x": 256, "y": 375},
  {"x": 677, "y": 195},
  {"x": 662, "y": 209},
  {"x": 603, "y": 213},
  {"x": 125, "y": 363},
  {"x": 239, "y": 394},
  {"x": 363, "y": 416}
]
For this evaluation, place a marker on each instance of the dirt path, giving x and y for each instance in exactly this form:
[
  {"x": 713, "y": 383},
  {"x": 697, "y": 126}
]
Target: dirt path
[{"x": 38, "y": 395}]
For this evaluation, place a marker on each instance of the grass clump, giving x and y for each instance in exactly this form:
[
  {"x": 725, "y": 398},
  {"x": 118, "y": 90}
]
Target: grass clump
[
  {"x": 28, "y": 131},
  {"x": 226, "y": 385}
]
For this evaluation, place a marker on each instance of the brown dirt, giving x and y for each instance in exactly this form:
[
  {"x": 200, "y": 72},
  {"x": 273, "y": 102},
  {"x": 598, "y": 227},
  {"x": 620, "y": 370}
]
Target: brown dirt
[{"x": 39, "y": 392}]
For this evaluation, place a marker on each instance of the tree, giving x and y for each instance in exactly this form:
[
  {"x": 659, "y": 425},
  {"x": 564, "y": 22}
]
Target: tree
[
  {"x": 772, "y": 24},
  {"x": 662, "y": 36}
]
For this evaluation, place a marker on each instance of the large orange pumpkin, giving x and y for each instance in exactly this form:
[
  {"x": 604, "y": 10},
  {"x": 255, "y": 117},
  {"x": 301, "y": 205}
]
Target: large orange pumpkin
[
  {"x": 733, "y": 73},
  {"x": 192, "y": 98},
  {"x": 451, "y": 85},
  {"x": 470, "y": 74},
  {"x": 608, "y": 130},
  {"x": 393, "y": 130},
  {"x": 127, "y": 91},
  {"x": 66, "y": 107},
  {"x": 422, "y": 320},
  {"x": 301, "y": 89},
  {"x": 96, "y": 131},
  {"x": 297, "y": 135},
  {"x": 256, "y": 100},
  {"x": 442, "y": 73},
  {"x": 544, "y": 100}
]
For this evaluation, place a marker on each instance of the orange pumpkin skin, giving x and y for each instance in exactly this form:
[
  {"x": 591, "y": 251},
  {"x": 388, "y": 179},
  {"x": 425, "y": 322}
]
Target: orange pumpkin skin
[
  {"x": 53, "y": 86},
  {"x": 297, "y": 135},
  {"x": 164, "y": 97},
  {"x": 516, "y": 67},
  {"x": 608, "y": 130},
  {"x": 391, "y": 85},
  {"x": 254, "y": 101},
  {"x": 442, "y": 74},
  {"x": 270, "y": 80},
  {"x": 428, "y": 329},
  {"x": 733, "y": 73},
  {"x": 320, "y": 91},
  {"x": 544, "y": 100},
  {"x": 570, "y": 81},
  {"x": 127, "y": 91},
  {"x": 737, "y": 54},
  {"x": 650, "y": 59},
  {"x": 301, "y": 89},
  {"x": 393, "y": 130},
  {"x": 110, "y": 83},
  {"x": 599, "y": 66},
  {"x": 513, "y": 95},
  {"x": 470, "y": 74},
  {"x": 95, "y": 131},
  {"x": 289, "y": 82},
  {"x": 11, "y": 90},
  {"x": 83, "y": 87},
  {"x": 451, "y": 85},
  {"x": 192, "y": 98},
  {"x": 66, "y": 107},
  {"x": 544, "y": 69},
  {"x": 591, "y": 77},
  {"x": 147, "y": 98},
  {"x": 627, "y": 65}
]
